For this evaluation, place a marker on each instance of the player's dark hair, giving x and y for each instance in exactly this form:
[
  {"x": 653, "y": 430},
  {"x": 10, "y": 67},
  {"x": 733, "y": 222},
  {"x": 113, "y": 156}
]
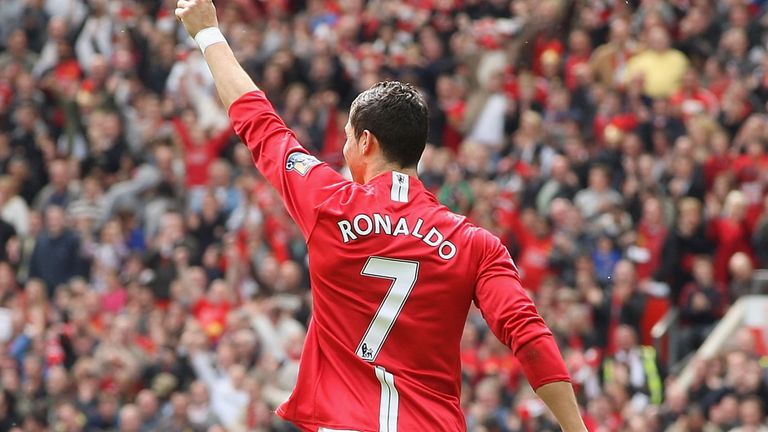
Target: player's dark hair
[{"x": 397, "y": 115}]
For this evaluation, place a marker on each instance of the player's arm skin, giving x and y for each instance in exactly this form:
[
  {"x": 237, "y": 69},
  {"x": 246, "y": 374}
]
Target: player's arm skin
[
  {"x": 230, "y": 78},
  {"x": 560, "y": 399}
]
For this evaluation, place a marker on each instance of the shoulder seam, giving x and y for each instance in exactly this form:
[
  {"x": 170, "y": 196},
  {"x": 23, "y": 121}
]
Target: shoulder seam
[{"x": 320, "y": 206}]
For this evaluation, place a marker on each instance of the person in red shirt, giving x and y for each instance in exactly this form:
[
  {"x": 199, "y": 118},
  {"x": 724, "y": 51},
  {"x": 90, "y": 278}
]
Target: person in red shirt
[
  {"x": 579, "y": 52},
  {"x": 199, "y": 150},
  {"x": 393, "y": 272},
  {"x": 534, "y": 237},
  {"x": 651, "y": 234},
  {"x": 731, "y": 234},
  {"x": 211, "y": 311},
  {"x": 692, "y": 99}
]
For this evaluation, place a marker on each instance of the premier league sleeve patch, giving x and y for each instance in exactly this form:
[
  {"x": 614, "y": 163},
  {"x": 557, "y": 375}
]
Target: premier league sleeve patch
[{"x": 300, "y": 162}]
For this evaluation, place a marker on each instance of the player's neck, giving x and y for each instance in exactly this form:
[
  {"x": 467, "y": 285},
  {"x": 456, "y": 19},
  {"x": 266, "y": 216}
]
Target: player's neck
[{"x": 384, "y": 167}]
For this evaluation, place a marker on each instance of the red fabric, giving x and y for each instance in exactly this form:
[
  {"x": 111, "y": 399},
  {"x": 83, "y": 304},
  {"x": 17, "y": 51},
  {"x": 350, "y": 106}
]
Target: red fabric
[
  {"x": 505, "y": 366},
  {"x": 6, "y": 93},
  {"x": 652, "y": 239},
  {"x": 655, "y": 309},
  {"x": 68, "y": 70},
  {"x": 198, "y": 156},
  {"x": 694, "y": 102},
  {"x": 211, "y": 316},
  {"x": 731, "y": 237},
  {"x": 534, "y": 261},
  {"x": 333, "y": 141},
  {"x": 758, "y": 335},
  {"x": 719, "y": 86},
  {"x": 470, "y": 364},
  {"x": 533, "y": 258},
  {"x": 337, "y": 385},
  {"x": 716, "y": 165},
  {"x": 542, "y": 362},
  {"x": 571, "y": 66},
  {"x": 541, "y": 46},
  {"x": 146, "y": 343},
  {"x": 749, "y": 168},
  {"x": 452, "y": 136},
  {"x": 277, "y": 237},
  {"x": 512, "y": 88},
  {"x": 625, "y": 122}
]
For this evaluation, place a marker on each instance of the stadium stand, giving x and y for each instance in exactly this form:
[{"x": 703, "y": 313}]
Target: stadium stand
[{"x": 150, "y": 280}]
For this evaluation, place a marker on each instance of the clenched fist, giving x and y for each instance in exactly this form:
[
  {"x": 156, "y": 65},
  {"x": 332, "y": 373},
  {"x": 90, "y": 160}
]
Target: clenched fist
[{"x": 196, "y": 15}]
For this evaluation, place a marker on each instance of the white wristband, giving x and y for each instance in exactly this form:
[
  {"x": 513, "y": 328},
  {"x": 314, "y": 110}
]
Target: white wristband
[{"x": 209, "y": 36}]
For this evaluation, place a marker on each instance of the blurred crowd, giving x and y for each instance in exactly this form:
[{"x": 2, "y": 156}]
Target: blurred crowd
[{"x": 150, "y": 279}]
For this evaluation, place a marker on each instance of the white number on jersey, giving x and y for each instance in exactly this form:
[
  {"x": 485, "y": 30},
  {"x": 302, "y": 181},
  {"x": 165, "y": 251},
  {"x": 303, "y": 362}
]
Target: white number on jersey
[{"x": 403, "y": 275}]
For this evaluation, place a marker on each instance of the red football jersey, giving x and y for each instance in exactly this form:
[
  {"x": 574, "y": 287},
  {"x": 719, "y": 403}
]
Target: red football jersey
[{"x": 393, "y": 274}]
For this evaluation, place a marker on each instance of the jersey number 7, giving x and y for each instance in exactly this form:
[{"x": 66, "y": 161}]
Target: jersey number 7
[{"x": 403, "y": 275}]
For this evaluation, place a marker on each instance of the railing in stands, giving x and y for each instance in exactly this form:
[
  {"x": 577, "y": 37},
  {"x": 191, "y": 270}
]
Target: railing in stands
[
  {"x": 663, "y": 333},
  {"x": 749, "y": 311}
]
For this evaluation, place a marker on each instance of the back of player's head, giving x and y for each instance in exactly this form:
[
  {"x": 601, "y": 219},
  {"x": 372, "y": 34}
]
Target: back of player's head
[{"x": 397, "y": 115}]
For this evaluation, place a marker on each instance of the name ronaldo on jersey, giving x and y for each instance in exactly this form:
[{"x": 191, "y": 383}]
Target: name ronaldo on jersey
[{"x": 363, "y": 225}]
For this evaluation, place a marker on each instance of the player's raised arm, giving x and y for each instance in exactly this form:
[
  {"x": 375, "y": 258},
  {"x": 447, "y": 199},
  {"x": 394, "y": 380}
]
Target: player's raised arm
[
  {"x": 199, "y": 18},
  {"x": 276, "y": 152}
]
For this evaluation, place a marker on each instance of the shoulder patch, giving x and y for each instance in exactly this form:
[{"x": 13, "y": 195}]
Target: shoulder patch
[{"x": 300, "y": 162}]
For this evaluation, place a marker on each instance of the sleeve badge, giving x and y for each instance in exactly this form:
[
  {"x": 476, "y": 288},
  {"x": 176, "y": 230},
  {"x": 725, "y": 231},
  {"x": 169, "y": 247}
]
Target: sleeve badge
[{"x": 300, "y": 162}]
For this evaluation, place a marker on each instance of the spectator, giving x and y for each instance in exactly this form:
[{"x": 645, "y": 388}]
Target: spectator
[
  {"x": 692, "y": 100},
  {"x": 623, "y": 304},
  {"x": 55, "y": 258},
  {"x": 61, "y": 191},
  {"x": 634, "y": 367},
  {"x": 731, "y": 234},
  {"x": 14, "y": 210},
  {"x": 609, "y": 61},
  {"x": 149, "y": 409},
  {"x": 130, "y": 419},
  {"x": 648, "y": 242},
  {"x": 598, "y": 196},
  {"x": 18, "y": 53},
  {"x": 659, "y": 67},
  {"x": 609, "y": 173},
  {"x": 105, "y": 416},
  {"x": 751, "y": 416},
  {"x": 683, "y": 243},
  {"x": 702, "y": 302}
]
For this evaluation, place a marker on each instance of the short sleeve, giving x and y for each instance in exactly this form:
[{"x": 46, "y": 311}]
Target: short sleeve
[{"x": 303, "y": 182}]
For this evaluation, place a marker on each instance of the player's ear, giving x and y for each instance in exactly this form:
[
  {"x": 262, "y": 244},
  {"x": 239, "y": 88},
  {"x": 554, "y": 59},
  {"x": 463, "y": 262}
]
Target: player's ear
[{"x": 368, "y": 142}]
